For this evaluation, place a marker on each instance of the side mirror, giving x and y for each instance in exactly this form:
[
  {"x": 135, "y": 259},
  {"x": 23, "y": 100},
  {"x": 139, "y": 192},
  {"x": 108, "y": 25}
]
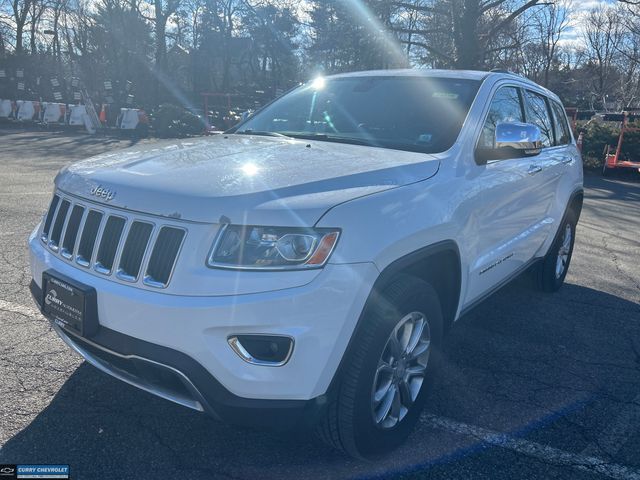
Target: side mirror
[{"x": 512, "y": 140}]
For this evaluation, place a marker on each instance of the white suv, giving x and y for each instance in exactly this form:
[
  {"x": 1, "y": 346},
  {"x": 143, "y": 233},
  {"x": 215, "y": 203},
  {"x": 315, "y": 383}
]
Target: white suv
[{"x": 302, "y": 268}]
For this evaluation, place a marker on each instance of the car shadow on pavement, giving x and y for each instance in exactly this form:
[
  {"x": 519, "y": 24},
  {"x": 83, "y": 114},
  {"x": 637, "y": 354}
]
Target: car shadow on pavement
[
  {"x": 623, "y": 185},
  {"x": 523, "y": 363}
]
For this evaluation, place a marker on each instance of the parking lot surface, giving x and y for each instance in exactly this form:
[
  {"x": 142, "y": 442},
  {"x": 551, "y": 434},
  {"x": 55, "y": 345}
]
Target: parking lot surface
[{"x": 533, "y": 386}]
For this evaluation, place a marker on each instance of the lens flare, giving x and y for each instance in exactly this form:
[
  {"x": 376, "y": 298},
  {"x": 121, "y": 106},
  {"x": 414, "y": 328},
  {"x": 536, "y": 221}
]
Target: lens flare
[{"x": 318, "y": 83}]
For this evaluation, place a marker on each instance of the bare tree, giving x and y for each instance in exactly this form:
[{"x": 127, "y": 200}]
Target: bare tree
[
  {"x": 470, "y": 25},
  {"x": 20, "y": 9},
  {"x": 161, "y": 10},
  {"x": 36, "y": 10},
  {"x": 603, "y": 36},
  {"x": 548, "y": 25},
  {"x": 59, "y": 9}
]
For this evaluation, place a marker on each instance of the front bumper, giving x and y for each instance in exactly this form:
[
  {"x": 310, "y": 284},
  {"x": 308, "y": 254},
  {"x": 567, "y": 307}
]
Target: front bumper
[{"x": 188, "y": 335}]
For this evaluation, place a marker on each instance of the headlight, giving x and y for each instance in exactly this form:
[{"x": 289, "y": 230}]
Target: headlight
[{"x": 272, "y": 248}]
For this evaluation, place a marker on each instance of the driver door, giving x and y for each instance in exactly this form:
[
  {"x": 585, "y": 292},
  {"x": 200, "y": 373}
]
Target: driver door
[{"x": 506, "y": 213}]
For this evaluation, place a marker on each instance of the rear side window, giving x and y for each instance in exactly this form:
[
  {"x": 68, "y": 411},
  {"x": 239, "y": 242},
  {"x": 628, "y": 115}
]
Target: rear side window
[
  {"x": 505, "y": 107},
  {"x": 537, "y": 113},
  {"x": 563, "y": 134}
]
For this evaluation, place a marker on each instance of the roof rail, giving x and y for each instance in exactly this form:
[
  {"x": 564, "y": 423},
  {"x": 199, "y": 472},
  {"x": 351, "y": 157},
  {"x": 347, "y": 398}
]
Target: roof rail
[{"x": 501, "y": 70}]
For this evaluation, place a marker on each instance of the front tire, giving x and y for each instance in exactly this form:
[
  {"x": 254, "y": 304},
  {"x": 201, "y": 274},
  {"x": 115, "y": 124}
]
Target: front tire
[
  {"x": 555, "y": 265},
  {"x": 382, "y": 388}
]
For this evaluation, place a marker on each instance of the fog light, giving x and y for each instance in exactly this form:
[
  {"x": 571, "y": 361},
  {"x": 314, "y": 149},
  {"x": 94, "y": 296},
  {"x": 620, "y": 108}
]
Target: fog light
[{"x": 267, "y": 350}]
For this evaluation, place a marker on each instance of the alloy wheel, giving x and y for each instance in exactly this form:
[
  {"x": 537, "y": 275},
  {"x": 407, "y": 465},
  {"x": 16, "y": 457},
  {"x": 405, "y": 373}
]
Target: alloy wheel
[
  {"x": 401, "y": 370},
  {"x": 563, "y": 251}
]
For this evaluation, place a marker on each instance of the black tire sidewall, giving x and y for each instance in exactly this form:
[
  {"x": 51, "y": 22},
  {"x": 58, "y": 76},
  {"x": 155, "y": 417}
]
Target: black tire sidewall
[
  {"x": 550, "y": 282},
  {"x": 370, "y": 440}
]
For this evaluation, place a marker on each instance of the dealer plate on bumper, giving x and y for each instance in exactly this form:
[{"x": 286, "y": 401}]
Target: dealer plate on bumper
[{"x": 70, "y": 304}]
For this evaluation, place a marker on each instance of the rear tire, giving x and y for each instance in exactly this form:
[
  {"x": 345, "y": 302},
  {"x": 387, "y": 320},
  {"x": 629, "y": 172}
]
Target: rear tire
[
  {"x": 555, "y": 265},
  {"x": 374, "y": 375}
]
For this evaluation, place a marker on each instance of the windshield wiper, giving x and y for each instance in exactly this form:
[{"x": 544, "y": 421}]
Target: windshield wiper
[
  {"x": 323, "y": 137},
  {"x": 261, "y": 133}
]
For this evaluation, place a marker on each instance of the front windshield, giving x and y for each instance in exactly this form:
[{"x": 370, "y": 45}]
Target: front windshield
[{"x": 419, "y": 114}]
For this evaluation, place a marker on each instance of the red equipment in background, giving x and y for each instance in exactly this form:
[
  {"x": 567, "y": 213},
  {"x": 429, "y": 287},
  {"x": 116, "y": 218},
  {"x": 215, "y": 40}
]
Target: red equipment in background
[
  {"x": 572, "y": 113},
  {"x": 224, "y": 115},
  {"x": 614, "y": 160}
]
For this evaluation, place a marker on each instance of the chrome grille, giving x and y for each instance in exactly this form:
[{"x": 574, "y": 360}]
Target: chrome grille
[
  {"x": 109, "y": 244},
  {"x": 52, "y": 210},
  {"x": 167, "y": 246},
  {"x": 71, "y": 233},
  {"x": 133, "y": 251},
  {"x": 58, "y": 224},
  {"x": 102, "y": 240},
  {"x": 88, "y": 239}
]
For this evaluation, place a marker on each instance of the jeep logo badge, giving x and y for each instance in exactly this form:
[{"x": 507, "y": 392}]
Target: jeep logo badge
[{"x": 103, "y": 193}]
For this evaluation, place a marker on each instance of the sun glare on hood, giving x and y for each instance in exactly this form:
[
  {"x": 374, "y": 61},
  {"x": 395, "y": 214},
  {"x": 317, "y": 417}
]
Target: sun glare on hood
[{"x": 250, "y": 169}]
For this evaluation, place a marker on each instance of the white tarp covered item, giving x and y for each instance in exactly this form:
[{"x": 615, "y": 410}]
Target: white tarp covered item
[
  {"x": 5, "y": 108},
  {"x": 77, "y": 114},
  {"x": 129, "y": 118},
  {"x": 54, "y": 112},
  {"x": 27, "y": 110}
]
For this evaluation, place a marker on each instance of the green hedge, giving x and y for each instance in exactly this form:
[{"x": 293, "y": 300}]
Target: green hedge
[
  {"x": 597, "y": 135},
  {"x": 173, "y": 121}
]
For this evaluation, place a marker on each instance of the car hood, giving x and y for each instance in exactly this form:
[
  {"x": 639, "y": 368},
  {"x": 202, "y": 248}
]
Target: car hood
[{"x": 247, "y": 179}]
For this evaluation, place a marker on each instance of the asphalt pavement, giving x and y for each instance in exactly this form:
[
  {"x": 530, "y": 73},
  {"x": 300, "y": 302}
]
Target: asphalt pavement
[{"x": 533, "y": 386}]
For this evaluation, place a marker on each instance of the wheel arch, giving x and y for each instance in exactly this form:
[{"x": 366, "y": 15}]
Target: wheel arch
[
  {"x": 441, "y": 258},
  {"x": 575, "y": 203},
  {"x": 439, "y": 265}
]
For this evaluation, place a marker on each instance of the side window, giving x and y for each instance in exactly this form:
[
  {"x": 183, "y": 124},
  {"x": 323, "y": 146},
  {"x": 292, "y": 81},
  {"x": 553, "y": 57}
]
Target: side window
[
  {"x": 536, "y": 110},
  {"x": 505, "y": 107},
  {"x": 563, "y": 134}
]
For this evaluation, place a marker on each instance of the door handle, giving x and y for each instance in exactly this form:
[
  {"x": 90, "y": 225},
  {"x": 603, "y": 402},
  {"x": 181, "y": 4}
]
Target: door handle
[
  {"x": 567, "y": 160},
  {"x": 533, "y": 169}
]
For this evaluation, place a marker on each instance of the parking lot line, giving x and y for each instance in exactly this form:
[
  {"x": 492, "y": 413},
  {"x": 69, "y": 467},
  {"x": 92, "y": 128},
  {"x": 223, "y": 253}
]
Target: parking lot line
[
  {"x": 618, "y": 430},
  {"x": 549, "y": 455}
]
